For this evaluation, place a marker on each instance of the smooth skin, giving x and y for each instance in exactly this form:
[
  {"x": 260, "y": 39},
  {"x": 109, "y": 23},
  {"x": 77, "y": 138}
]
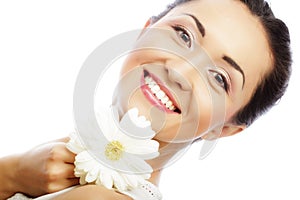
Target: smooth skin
[
  {"x": 92, "y": 192},
  {"x": 230, "y": 29}
]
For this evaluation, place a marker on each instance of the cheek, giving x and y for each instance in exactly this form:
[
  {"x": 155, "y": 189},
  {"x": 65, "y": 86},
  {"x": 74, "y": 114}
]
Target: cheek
[
  {"x": 200, "y": 117},
  {"x": 209, "y": 108},
  {"x": 154, "y": 46},
  {"x": 192, "y": 124},
  {"x": 169, "y": 130},
  {"x": 130, "y": 63},
  {"x": 138, "y": 58}
]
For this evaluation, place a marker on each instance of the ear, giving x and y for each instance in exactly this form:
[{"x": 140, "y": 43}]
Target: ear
[
  {"x": 231, "y": 129},
  {"x": 147, "y": 25},
  {"x": 226, "y": 130}
]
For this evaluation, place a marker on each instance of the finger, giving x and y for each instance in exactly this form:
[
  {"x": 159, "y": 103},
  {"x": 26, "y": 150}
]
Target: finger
[
  {"x": 69, "y": 157},
  {"x": 65, "y": 183},
  {"x": 65, "y": 140},
  {"x": 70, "y": 171},
  {"x": 73, "y": 181},
  {"x": 62, "y": 184},
  {"x": 64, "y": 154},
  {"x": 63, "y": 170}
]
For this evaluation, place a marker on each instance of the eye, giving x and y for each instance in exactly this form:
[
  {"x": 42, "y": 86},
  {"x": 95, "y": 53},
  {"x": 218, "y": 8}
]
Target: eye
[
  {"x": 184, "y": 35},
  {"x": 221, "y": 80}
]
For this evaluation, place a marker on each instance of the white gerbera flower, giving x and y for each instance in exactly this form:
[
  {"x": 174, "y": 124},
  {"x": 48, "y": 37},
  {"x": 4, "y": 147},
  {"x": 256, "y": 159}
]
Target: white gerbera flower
[{"x": 119, "y": 159}]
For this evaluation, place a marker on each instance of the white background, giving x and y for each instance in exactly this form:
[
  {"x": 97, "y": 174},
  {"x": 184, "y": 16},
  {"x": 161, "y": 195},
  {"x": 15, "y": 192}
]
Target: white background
[{"x": 42, "y": 47}]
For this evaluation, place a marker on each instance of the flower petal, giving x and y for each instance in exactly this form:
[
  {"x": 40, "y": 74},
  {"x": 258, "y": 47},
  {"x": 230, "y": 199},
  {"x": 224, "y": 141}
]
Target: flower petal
[
  {"x": 82, "y": 179},
  {"x": 92, "y": 174},
  {"x": 105, "y": 179},
  {"x": 84, "y": 162},
  {"x": 132, "y": 180},
  {"x": 119, "y": 166},
  {"x": 74, "y": 144},
  {"x": 137, "y": 165},
  {"x": 135, "y": 126},
  {"x": 148, "y": 156},
  {"x": 142, "y": 147},
  {"x": 83, "y": 157},
  {"x": 107, "y": 123},
  {"x": 119, "y": 182},
  {"x": 139, "y": 121},
  {"x": 91, "y": 163}
]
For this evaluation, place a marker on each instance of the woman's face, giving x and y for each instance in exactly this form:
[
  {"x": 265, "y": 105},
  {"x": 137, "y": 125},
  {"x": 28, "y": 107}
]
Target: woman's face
[{"x": 195, "y": 68}]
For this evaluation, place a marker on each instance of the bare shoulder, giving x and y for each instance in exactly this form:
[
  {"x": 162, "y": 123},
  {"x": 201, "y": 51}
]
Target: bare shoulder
[{"x": 92, "y": 192}]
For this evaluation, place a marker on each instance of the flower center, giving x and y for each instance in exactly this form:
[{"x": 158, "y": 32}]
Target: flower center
[{"x": 114, "y": 150}]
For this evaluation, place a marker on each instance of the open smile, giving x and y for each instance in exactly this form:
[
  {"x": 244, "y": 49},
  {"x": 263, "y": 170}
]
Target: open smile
[{"x": 157, "y": 94}]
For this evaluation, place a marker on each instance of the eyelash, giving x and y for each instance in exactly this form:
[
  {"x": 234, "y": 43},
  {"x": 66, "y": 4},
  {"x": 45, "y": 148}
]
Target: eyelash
[
  {"x": 181, "y": 29},
  {"x": 217, "y": 75},
  {"x": 225, "y": 85}
]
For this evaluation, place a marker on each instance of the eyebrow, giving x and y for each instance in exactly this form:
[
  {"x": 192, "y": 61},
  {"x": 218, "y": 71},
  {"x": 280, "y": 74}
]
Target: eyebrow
[
  {"x": 229, "y": 60},
  {"x": 198, "y": 23},
  {"x": 232, "y": 63}
]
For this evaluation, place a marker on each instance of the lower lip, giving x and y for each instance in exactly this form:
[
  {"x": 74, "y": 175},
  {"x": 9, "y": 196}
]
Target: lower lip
[{"x": 152, "y": 98}]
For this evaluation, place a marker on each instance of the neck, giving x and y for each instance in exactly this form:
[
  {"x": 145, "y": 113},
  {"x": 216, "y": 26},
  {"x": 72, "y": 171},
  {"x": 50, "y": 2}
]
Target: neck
[{"x": 167, "y": 151}]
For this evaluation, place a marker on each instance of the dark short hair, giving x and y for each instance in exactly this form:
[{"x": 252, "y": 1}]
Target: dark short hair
[{"x": 274, "y": 84}]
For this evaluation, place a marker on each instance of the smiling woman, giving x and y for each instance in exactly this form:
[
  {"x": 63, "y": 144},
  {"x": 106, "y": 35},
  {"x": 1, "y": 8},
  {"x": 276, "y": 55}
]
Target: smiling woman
[
  {"x": 193, "y": 30},
  {"x": 193, "y": 74}
]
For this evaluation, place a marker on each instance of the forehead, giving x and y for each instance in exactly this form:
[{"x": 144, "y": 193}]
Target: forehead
[{"x": 232, "y": 29}]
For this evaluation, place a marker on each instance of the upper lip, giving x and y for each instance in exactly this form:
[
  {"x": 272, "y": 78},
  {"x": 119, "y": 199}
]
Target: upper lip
[{"x": 163, "y": 88}]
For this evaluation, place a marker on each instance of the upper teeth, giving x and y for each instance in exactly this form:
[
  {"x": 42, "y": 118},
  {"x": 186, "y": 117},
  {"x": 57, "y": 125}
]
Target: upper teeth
[{"x": 161, "y": 95}]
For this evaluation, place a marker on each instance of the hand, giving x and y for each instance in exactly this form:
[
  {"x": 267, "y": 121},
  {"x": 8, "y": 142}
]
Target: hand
[{"x": 45, "y": 169}]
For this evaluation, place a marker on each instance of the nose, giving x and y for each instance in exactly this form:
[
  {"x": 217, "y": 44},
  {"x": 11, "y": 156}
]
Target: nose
[
  {"x": 188, "y": 70},
  {"x": 180, "y": 75}
]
